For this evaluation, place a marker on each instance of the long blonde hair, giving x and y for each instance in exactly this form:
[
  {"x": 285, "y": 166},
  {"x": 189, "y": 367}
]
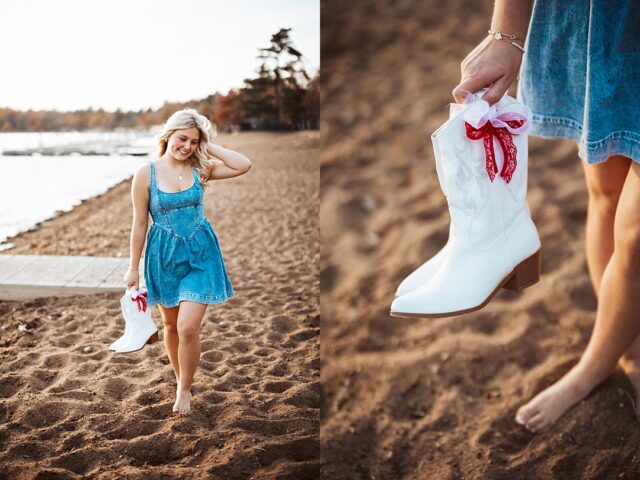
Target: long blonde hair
[{"x": 201, "y": 159}]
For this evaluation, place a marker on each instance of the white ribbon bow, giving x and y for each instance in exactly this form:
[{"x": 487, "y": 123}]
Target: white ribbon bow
[{"x": 479, "y": 113}]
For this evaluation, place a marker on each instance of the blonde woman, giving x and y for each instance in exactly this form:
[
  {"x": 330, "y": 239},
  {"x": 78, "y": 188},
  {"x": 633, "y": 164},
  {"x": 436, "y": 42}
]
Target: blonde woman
[{"x": 184, "y": 269}]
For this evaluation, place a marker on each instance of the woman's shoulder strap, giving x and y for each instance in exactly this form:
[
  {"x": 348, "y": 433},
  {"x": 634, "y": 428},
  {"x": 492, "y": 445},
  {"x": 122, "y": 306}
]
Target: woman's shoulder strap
[
  {"x": 152, "y": 168},
  {"x": 196, "y": 176}
]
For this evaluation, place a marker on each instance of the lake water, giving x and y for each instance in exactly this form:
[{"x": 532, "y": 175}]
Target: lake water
[{"x": 34, "y": 187}]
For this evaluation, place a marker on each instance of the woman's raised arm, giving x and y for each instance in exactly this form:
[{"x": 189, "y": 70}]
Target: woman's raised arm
[{"x": 230, "y": 163}]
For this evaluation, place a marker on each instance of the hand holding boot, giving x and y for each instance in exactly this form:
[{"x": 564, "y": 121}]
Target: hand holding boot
[
  {"x": 131, "y": 280},
  {"x": 491, "y": 64},
  {"x": 494, "y": 63}
]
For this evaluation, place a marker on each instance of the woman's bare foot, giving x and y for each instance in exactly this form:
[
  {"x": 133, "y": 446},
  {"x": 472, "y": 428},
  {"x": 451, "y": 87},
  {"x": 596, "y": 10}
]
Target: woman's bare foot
[
  {"x": 550, "y": 404},
  {"x": 183, "y": 401}
]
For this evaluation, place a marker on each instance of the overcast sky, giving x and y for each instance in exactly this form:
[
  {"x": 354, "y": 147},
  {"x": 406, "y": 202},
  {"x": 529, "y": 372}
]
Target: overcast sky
[{"x": 133, "y": 54}]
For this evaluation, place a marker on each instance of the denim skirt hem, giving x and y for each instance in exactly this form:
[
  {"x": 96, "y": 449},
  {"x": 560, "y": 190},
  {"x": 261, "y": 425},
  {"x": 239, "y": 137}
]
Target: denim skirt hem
[
  {"x": 193, "y": 297},
  {"x": 593, "y": 152},
  {"x": 580, "y": 73}
]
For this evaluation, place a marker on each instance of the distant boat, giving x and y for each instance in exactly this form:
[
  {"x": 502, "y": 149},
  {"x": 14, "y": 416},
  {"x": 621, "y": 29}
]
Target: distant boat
[{"x": 135, "y": 150}]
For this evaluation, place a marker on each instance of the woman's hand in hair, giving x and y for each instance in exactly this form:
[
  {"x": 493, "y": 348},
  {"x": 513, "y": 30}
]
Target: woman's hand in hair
[{"x": 228, "y": 163}]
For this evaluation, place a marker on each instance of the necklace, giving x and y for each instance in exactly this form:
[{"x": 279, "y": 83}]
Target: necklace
[
  {"x": 182, "y": 170},
  {"x": 180, "y": 175}
]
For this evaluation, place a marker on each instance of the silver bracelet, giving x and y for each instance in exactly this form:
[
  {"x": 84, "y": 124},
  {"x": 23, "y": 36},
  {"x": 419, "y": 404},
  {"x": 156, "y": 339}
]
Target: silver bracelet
[{"x": 508, "y": 37}]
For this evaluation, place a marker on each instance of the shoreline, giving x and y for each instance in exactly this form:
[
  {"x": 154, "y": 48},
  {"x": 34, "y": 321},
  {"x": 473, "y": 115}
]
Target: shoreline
[{"x": 58, "y": 214}]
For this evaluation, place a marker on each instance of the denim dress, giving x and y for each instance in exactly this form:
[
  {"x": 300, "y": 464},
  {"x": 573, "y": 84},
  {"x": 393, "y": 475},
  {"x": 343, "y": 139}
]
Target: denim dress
[
  {"x": 580, "y": 75},
  {"x": 182, "y": 259}
]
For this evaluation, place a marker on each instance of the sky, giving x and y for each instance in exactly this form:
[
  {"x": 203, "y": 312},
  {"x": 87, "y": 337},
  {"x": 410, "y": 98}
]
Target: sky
[{"x": 137, "y": 54}]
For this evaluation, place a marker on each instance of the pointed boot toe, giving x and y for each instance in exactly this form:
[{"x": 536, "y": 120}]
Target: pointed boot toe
[
  {"x": 140, "y": 337},
  {"x": 422, "y": 274}
]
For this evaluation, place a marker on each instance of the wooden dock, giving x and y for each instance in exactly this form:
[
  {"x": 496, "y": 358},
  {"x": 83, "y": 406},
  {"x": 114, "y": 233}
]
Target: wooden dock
[{"x": 28, "y": 276}]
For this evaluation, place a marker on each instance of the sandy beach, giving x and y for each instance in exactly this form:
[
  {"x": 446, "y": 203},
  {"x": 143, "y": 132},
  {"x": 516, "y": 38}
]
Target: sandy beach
[
  {"x": 66, "y": 413},
  {"x": 435, "y": 399}
]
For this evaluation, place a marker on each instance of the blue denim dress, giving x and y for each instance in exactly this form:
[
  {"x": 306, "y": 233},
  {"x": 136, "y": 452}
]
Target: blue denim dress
[
  {"x": 580, "y": 75},
  {"x": 182, "y": 259}
]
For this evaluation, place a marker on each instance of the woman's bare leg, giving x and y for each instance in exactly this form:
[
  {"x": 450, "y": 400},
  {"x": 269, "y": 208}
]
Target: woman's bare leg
[
  {"x": 604, "y": 183},
  {"x": 189, "y": 321},
  {"x": 616, "y": 325},
  {"x": 170, "y": 320}
]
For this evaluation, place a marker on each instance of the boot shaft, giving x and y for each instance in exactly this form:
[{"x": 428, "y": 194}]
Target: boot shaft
[{"x": 479, "y": 205}]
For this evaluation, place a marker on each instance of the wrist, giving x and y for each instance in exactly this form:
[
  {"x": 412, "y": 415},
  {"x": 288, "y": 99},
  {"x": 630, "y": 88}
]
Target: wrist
[
  {"x": 512, "y": 17},
  {"x": 508, "y": 30},
  {"x": 511, "y": 38}
]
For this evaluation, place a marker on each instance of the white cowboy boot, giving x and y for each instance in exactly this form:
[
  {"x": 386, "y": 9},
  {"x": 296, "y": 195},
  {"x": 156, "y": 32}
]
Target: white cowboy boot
[
  {"x": 142, "y": 328},
  {"x": 424, "y": 272},
  {"x": 492, "y": 241}
]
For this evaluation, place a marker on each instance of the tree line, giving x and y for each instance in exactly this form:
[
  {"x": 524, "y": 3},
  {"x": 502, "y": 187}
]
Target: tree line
[{"x": 281, "y": 97}]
